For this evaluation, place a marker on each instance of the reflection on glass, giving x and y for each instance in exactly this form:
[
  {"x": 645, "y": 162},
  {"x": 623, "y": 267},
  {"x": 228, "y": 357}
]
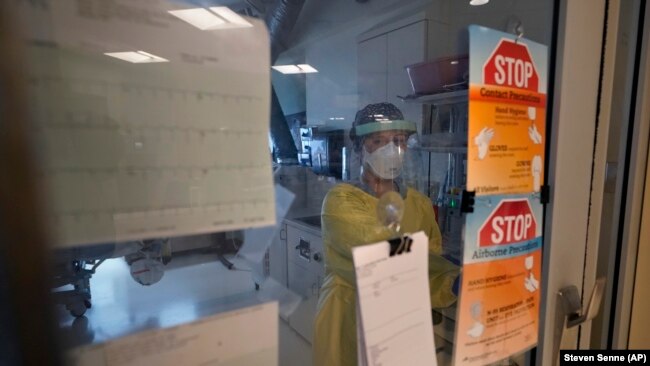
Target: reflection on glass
[{"x": 161, "y": 153}]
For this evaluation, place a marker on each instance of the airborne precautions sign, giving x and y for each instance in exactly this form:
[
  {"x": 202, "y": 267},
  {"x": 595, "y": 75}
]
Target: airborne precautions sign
[
  {"x": 499, "y": 301},
  {"x": 512, "y": 221},
  {"x": 507, "y": 113},
  {"x": 498, "y": 308}
]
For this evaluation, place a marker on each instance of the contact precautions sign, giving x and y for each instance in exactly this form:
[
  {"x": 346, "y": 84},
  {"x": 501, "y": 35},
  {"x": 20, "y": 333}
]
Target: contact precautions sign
[
  {"x": 507, "y": 114},
  {"x": 498, "y": 310}
]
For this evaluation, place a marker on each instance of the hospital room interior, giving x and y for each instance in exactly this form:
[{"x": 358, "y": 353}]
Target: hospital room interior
[{"x": 204, "y": 176}]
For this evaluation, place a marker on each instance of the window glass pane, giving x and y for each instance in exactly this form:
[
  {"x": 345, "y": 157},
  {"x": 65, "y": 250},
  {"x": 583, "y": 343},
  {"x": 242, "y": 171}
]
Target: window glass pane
[{"x": 204, "y": 156}]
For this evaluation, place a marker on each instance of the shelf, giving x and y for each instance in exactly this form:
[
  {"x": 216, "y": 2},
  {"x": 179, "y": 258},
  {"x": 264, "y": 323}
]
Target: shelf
[
  {"x": 452, "y": 97},
  {"x": 443, "y": 149}
]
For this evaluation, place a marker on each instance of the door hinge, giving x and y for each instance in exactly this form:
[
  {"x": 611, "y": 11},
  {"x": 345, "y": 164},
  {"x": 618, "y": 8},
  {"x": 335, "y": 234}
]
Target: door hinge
[
  {"x": 467, "y": 201},
  {"x": 545, "y": 194}
]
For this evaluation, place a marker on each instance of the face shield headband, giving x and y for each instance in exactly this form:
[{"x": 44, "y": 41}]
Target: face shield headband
[{"x": 388, "y": 125}]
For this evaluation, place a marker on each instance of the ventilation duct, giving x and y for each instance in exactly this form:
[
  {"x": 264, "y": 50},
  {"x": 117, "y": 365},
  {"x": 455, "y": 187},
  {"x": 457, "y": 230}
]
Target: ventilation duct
[{"x": 280, "y": 19}]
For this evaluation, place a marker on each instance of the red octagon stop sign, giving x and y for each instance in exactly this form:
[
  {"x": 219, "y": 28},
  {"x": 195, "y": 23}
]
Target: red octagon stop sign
[
  {"x": 511, "y": 65},
  {"x": 512, "y": 221}
]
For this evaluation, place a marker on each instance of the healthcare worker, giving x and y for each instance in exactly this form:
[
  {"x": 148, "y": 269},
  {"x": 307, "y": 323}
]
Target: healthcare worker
[{"x": 349, "y": 218}]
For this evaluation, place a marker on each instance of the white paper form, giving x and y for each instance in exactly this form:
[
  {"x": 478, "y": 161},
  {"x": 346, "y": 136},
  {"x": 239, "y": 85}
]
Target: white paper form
[
  {"x": 394, "y": 308},
  {"x": 141, "y": 150},
  {"x": 244, "y": 337}
]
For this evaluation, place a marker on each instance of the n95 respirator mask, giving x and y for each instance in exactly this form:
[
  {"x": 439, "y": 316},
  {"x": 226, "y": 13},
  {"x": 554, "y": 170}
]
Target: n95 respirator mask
[{"x": 386, "y": 161}]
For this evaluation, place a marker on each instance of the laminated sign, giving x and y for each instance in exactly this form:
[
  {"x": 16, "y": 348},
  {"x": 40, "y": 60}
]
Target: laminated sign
[
  {"x": 507, "y": 113},
  {"x": 499, "y": 301},
  {"x": 498, "y": 311}
]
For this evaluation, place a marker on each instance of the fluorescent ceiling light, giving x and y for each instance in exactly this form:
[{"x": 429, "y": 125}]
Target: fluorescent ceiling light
[
  {"x": 478, "y": 2},
  {"x": 218, "y": 17},
  {"x": 307, "y": 68},
  {"x": 287, "y": 69},
  {"x": 200, "y": 18},
  {"x": 295, "y": 69},
  {"x": 136, "y": 57},
  {"x": 231, "y": 17}
]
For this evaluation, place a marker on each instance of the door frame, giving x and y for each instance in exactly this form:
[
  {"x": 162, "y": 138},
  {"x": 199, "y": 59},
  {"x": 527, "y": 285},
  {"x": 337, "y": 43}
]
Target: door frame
[
  {"x": 636, "y": 176},
  {"x": 582, "y": 117},
  {"x": 569, "y": 244}
]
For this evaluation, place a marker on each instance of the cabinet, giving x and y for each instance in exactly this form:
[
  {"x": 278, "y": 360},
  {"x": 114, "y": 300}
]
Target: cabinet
[
  {"x": 278, "y": 256},
  {"x": 373, "y": 74},
  {"x": 385, "y": 51},
  {"x": 307, "y": 285},
  {"x": 305, "y": 274},
  {"x": 406, "y": 46},
  {"x": 382, "y": 60}
]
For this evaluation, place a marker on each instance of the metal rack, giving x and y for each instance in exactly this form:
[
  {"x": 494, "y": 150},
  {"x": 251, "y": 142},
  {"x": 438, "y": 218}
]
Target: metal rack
[{"x": 438, "y": 99}]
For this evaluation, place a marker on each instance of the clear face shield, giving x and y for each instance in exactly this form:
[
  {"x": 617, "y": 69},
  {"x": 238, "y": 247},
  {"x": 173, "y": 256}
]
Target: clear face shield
[
  {"x": 390, "y": 165},
  {"x": 386, "y": 155}
]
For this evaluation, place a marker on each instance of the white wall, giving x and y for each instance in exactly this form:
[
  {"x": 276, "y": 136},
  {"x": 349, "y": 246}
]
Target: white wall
[{"x": 325, "y": 36}]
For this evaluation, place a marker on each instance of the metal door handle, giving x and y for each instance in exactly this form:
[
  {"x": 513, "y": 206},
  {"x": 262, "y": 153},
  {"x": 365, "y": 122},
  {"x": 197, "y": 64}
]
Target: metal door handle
[{"x": 573, "y": 311}]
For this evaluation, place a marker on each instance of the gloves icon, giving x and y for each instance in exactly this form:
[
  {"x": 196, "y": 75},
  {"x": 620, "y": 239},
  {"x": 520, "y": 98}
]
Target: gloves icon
[
  {"x": 534, "y": 134},
  {"x": 482, "y": 140}
]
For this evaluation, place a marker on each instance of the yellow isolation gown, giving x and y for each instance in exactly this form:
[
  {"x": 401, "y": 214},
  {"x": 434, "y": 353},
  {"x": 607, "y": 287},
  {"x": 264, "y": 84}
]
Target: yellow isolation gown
[{"x": 349, "y": 219}]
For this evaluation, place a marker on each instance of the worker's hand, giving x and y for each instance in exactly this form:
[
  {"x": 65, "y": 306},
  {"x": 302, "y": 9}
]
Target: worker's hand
[
  {"x": 482, "y": 140},
  {"x": 534, "y": 134}
]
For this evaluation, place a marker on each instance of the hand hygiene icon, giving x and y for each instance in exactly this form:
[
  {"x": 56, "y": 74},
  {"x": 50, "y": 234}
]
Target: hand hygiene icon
[{"x": 482, "y": 140}]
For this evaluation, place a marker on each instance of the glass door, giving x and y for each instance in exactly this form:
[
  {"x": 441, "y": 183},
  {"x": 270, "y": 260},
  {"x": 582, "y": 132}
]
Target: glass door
[{"x": 182, "y": 197}]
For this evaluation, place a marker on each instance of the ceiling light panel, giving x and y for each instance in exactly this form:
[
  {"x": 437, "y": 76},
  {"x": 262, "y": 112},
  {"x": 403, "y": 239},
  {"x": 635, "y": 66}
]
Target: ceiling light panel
[
  {"x": 306, "y": 68},
  {"x": 231, "y": 17},
  {"x": 287, "y": 69},
  {"x": 295, "y": 69},
  {"x": 200, "y": 18},
  {"x": 214, "y": 18},
  {"x": 136, "y": 57}
]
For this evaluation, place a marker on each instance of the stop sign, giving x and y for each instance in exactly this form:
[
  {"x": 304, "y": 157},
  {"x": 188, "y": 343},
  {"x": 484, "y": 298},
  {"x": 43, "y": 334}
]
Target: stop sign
[
  {"x": 512, "y": 221},
  {"x": 510, "y": 64}
]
